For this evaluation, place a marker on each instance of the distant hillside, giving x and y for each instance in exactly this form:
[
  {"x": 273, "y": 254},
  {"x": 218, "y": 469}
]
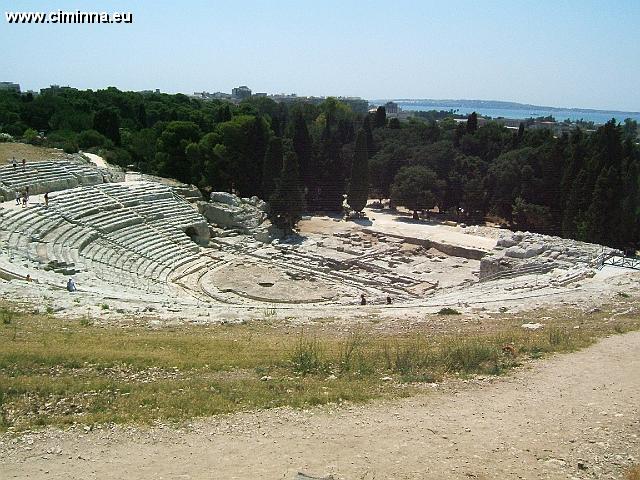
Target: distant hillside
[{"x": 490, "y": 104}]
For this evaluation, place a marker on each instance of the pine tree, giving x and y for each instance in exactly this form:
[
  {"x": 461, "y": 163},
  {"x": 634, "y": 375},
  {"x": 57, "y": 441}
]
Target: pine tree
[
  {"x": 272, "y": 167},
  {"x": 286, "y": 205},
  {"x": 416, "y": 188},
  {"x": 359, "y": 185}
]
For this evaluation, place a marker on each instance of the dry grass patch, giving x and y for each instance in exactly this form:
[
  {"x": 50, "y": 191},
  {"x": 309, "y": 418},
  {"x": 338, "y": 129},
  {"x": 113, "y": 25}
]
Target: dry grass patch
[
  {"x": 56, "y": 372},
  {"x": 31, "y": 153}
]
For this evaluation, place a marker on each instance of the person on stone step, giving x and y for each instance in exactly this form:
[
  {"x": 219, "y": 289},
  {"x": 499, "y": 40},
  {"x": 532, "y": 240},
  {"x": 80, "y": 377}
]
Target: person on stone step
[
  {"x": 363, "y": 300},
  {"x": 71, "y": 285}
]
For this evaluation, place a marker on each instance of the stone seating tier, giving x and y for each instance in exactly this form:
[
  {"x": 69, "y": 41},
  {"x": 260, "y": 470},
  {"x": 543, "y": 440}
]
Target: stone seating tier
[{"x": 48, "y": 176}]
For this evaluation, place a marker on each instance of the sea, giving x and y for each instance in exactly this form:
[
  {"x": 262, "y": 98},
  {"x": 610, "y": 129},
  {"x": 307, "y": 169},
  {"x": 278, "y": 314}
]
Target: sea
[{"x": 598, "y": 117}]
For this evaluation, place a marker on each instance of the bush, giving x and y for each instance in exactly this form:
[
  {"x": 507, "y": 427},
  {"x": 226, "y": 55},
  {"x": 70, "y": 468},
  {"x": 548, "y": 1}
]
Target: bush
[
  {"x": 60, "y": 138},
  {"x": 6, "y": 315},
  {"x": 15, "y": 129},
  {"x": 31, "y": 136},
  {"x": 448, "y": 311},
  {"x": 92, "y": 138},
  {"x": 117, "y": 156},
  {"x": 70, "y": 146},
  {"x": 5, "y": 138}
]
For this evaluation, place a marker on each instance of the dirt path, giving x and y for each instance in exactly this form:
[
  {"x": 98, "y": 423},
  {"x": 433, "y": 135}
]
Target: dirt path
[
  {"x": 97, "y": 160},
  {"x": 572, "y": 416}
]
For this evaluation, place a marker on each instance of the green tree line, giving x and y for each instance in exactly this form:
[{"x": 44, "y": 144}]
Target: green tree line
[{"x": 582, "y": 185}]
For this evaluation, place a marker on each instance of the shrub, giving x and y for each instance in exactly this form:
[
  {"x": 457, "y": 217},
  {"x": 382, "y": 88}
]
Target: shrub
[
  {"x": 469, "y": 354},
  {"x": 31, "y": 136},
  {"x": 70, "y": 146},
  {"x": 15, "y": 129},
  {"x": 307, "y": 356},
  {"x": 6, "y": 315},
  {"x": 92, "y": 138},
  {"x": 448, "y": 311},
  {"x": 58, "y": 138},
  {"x": 117, "y": 156},
  {"x": 5, "y": 138}
]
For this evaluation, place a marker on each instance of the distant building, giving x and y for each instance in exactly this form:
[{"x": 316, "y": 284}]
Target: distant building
[
  {"x": 391, "y": 108},
  {"x": 149, "y": 92},
  {"x": 259, "y": 94},
  {"x": 10, "y": 86},
  {"x": 241, "y": 92},
  {"x": 212, "y": 96},
  {"x": 55, "y": 89}
]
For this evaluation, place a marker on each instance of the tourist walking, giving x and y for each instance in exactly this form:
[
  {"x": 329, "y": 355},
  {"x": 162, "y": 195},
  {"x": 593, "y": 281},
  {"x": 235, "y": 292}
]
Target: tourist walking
[
  {"x": 17, "y": 197},
  {"x": 15, "y": 164},
  {"x": 25, "y": 198},
  {"x": 46, "y": 199},
  {"x": 24, "y": 164}
]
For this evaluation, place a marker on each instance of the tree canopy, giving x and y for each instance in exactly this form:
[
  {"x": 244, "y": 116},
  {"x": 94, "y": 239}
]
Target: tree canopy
[{"x": 583, "y": 185}]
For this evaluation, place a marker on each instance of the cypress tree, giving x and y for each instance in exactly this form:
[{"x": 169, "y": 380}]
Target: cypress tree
[
  {"x": 272, "y": 167},
  {"x": 366, "y": 126},
  {"x": 303, "y": 147},
  {"x": 472, "y": 123},
  {"x": 287, "y": 202},
  {"x": 380, "y": 119},
  {"x": 359, "y": 185},
  {"x": 630, "y": 213},
  {"x": 602, "y": 207}
]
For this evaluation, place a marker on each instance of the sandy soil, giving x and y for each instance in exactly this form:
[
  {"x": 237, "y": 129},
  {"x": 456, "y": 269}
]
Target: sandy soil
[{"x": 572, "y": 416}]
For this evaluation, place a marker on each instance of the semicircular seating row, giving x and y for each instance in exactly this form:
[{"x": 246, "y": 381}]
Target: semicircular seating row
[
  {"x": 48, "y": 176},
  {"x": 123, "y": 232}
]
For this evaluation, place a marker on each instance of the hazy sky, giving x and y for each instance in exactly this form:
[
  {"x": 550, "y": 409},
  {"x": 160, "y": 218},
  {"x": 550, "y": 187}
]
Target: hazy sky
[{"x": 578, "y": 53}]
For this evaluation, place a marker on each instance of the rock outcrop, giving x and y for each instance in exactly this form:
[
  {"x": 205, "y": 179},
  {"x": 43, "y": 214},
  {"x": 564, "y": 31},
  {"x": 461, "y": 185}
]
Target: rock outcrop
[
  {"x": 245, "y": 215},
  {"x": 525, "y": 251}
]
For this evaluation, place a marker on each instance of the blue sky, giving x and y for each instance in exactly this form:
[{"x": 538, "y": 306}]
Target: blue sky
[{"x": 577, "y": 53}]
